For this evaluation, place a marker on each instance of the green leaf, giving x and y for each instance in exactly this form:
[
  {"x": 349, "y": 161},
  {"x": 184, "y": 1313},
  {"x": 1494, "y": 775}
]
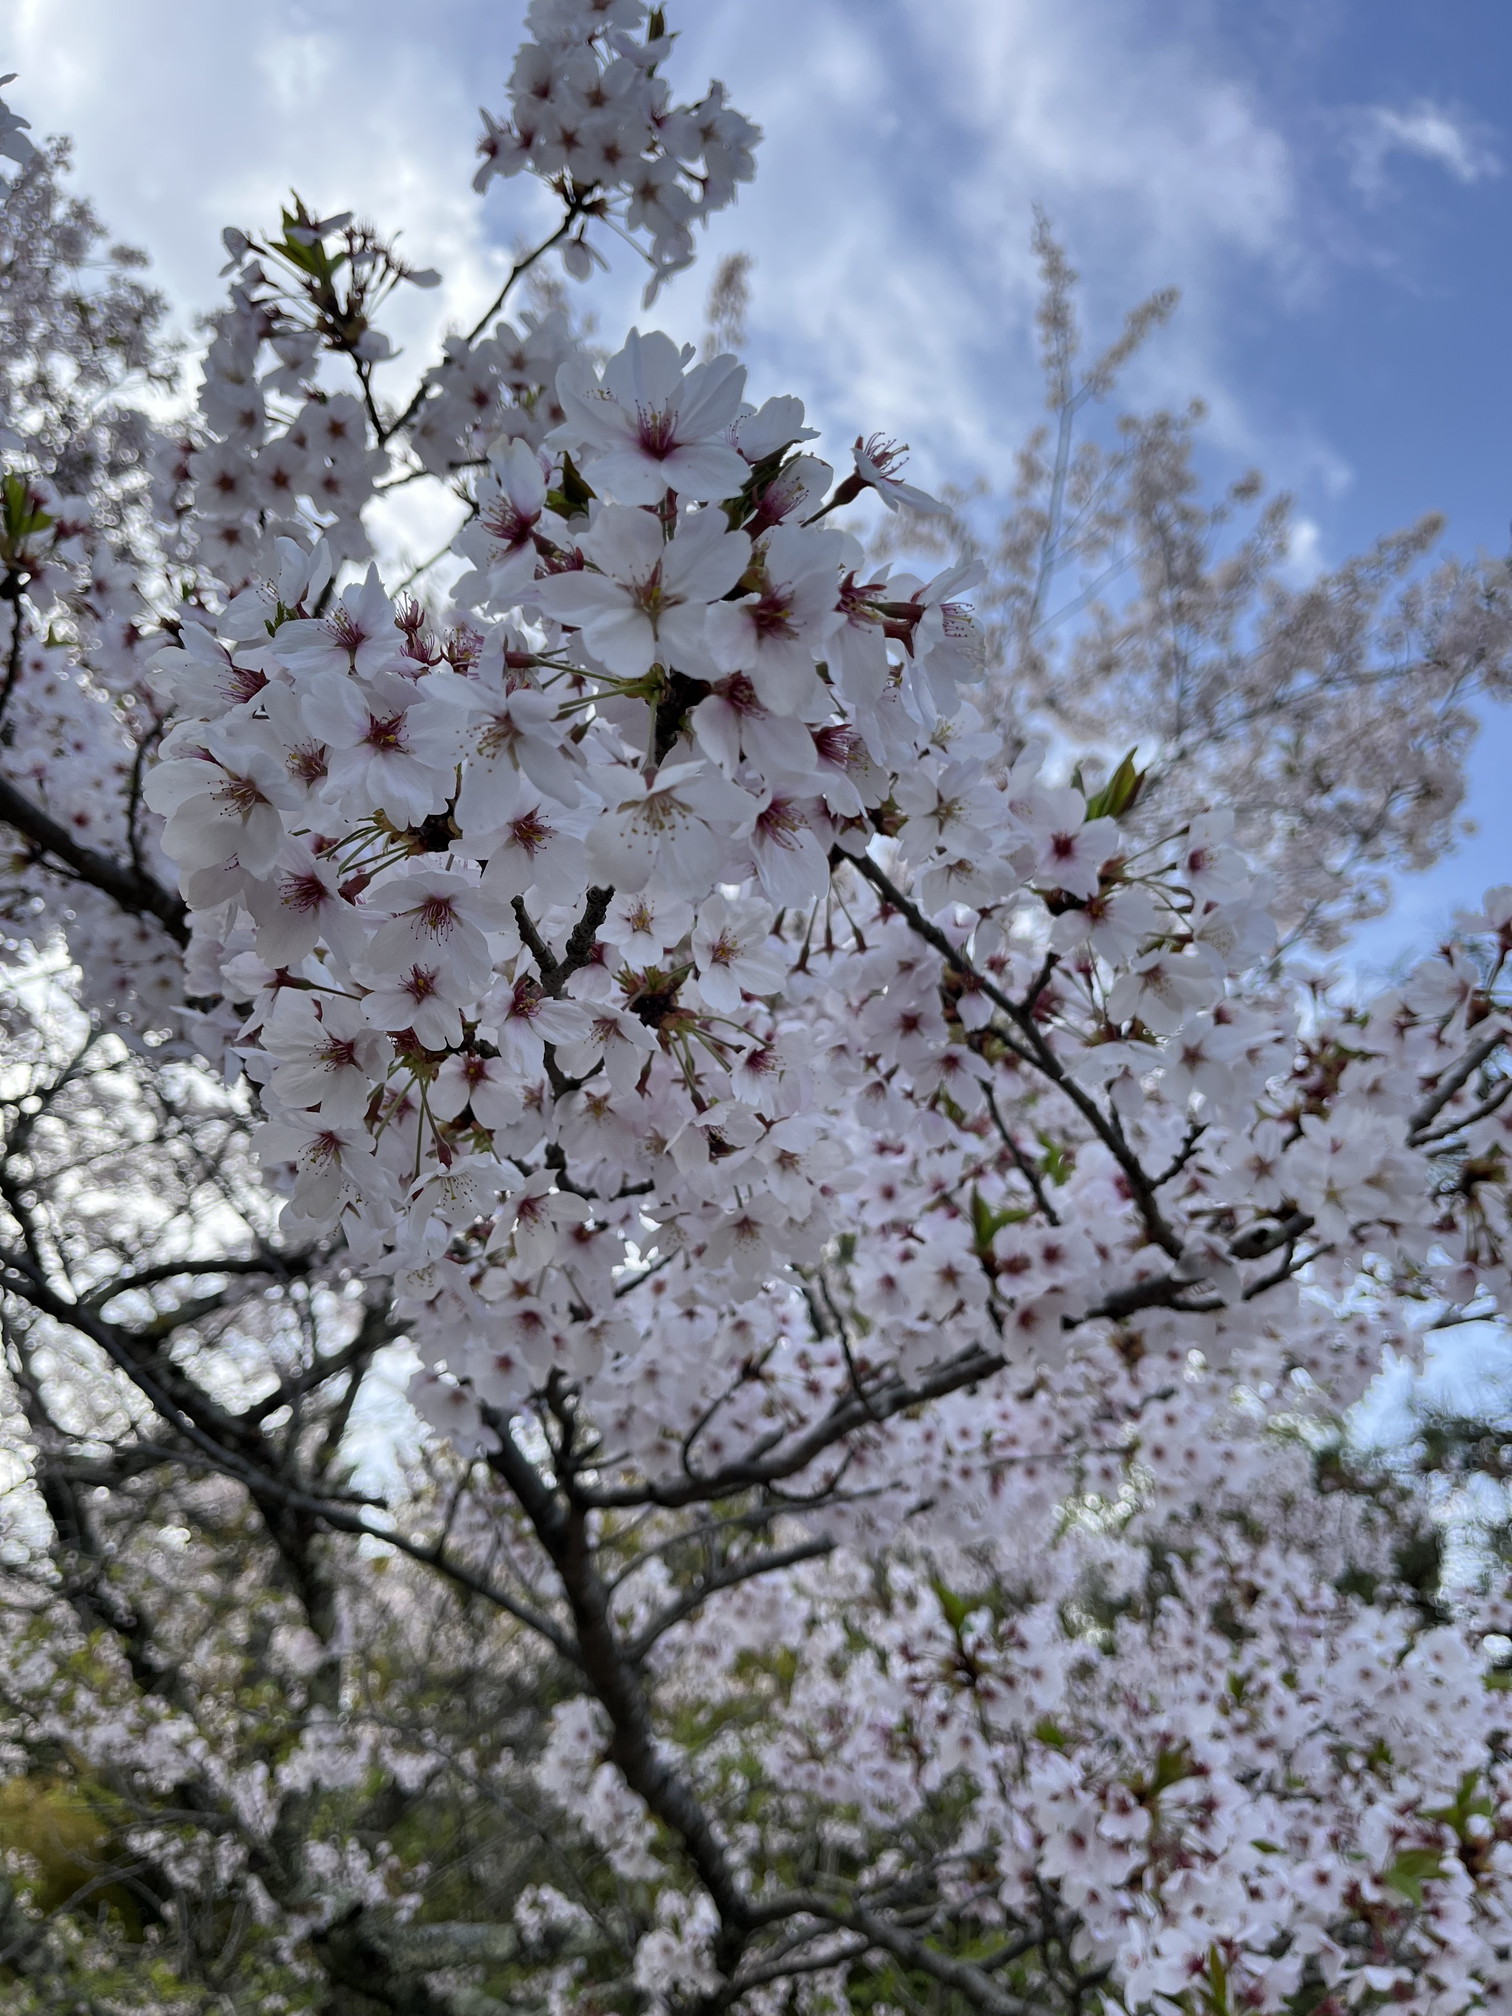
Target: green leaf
[
  {"x": 22, "y": 516},
  {"x": 1467, "y": 1801},
  {"x": 1218, "y": 1995},
  {"x": 573, "y": 498},
  {"x": 1411, "y": 1870},
  {"x": 956, "y": 1609},
  {"x": 1057, "y": 1164},
  {"x": 1119, "y": 793},
  {"x": 987, "y": 1223}
]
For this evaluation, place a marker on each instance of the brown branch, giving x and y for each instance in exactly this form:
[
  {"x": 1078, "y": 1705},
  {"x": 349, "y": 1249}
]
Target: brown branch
[
  {"x": 232, "y": 1445},
  {"x": 280, "y": 1266},
  {"x": 137, "y": 894},
  {"x": 561, "y": 1526},
  {"x": 728, "y": 1577},
  {"x": 1451, "y": 1082},
  {"x": 1032, "y": 1048}
]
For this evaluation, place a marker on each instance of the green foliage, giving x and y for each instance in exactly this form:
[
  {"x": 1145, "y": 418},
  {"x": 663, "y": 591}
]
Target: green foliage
[{"x": 1119, "y": 795}]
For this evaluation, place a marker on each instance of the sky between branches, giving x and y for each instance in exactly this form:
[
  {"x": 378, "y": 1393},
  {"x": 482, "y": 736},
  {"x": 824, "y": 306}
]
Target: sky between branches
[{"x": 1327, "y": 181}]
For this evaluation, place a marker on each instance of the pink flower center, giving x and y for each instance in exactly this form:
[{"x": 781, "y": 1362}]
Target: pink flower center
[
  {"x": 531, "y": 832},
  {"x": 437, "y": 914},
  {"x": 385, "y": 734},
  {"x": 656, "y": 430}
]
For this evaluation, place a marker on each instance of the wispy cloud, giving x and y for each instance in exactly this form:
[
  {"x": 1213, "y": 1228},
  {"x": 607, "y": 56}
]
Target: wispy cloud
[
  {"x": 889, "y": 222},
  {"x": 891, "y": 219},
  {"x": 1450, "y": 139}
]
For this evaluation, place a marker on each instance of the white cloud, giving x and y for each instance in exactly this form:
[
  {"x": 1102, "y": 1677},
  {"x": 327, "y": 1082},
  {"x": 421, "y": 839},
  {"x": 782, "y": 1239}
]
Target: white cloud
[
  {"x": 188, "y": 118},
  {"x": 1305, "y": 557},
  {"x": 889, "y": 221},
  {"x": 891, "y": 218},
  {"x": 1430, "y": 131}
]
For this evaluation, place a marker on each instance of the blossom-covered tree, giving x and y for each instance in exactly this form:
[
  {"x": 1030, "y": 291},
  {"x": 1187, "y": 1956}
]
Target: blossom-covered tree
[{"x": 881, "y": 1232}]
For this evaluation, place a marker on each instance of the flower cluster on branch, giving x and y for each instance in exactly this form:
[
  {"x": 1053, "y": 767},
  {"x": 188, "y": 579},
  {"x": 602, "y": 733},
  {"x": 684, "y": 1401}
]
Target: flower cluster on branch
[{"x": 884, "y": 1231}]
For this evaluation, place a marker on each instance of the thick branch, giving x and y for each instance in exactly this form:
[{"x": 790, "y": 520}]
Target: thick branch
[
  {"x": 562, "y": 1529},
  {"x": 138, "y": 894},
  {"x": 1451, "y": 1082}
]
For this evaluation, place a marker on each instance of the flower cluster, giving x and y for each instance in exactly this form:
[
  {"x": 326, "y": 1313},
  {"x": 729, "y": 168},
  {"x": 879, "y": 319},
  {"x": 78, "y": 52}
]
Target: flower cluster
[
  {"x": 854, "y": 1185},
  {"x": 589, "y": 114}
]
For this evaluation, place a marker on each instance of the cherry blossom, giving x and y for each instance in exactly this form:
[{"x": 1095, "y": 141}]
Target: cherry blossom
[{"x": 880, "y": 1231}]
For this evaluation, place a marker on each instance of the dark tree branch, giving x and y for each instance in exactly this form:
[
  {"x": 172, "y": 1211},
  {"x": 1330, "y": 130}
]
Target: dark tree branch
[{"x": 137, "y": 894}]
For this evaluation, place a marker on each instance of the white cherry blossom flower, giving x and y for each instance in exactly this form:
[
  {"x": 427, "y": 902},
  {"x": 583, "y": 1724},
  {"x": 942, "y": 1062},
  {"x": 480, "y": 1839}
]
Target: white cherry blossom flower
[
  {"x": 439, "y": 914},
  {"x": 359, "y": 636},
  {"x": 651, "y": 424},
  {"x": 469, "y": 1079},
  {"x": 299, "y": 905},
  {"x": 644, "y": 925},
  {"x": 675, "y": 826},
  {"x": 330, "y": 1055},
  {"x": 646, "y": 598},
  {"x": 1072, "y": 848},
  {"x": 775, "y": 633},
  {"x": 385, "y": 753},
  {"x": 425, "y": 998},
  {"x": 511, "y": 741},
  {"x": 522, "y": 1020},
  {"x": 534, "y": 1218},
  {"x": 224, "y": 809},
  {"x": 501, "y": 541},
  {"x": 876, "y": 459},
  {"x": 733, "y": 952}
]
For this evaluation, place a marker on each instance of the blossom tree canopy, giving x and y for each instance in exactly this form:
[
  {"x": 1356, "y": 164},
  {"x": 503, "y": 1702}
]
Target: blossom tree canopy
[{"x": 883, "y": 1223}]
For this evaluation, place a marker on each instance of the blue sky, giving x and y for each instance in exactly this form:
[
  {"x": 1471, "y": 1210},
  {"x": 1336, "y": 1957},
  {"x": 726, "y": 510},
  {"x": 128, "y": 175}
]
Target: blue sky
[{"x": 1329, "y": 182}]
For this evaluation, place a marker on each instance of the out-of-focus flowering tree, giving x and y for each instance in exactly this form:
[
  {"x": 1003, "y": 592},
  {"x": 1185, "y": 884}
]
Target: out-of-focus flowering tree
[
  {"x": 878, "y": 1232},
  {"x": 1333, "y": 715}
]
